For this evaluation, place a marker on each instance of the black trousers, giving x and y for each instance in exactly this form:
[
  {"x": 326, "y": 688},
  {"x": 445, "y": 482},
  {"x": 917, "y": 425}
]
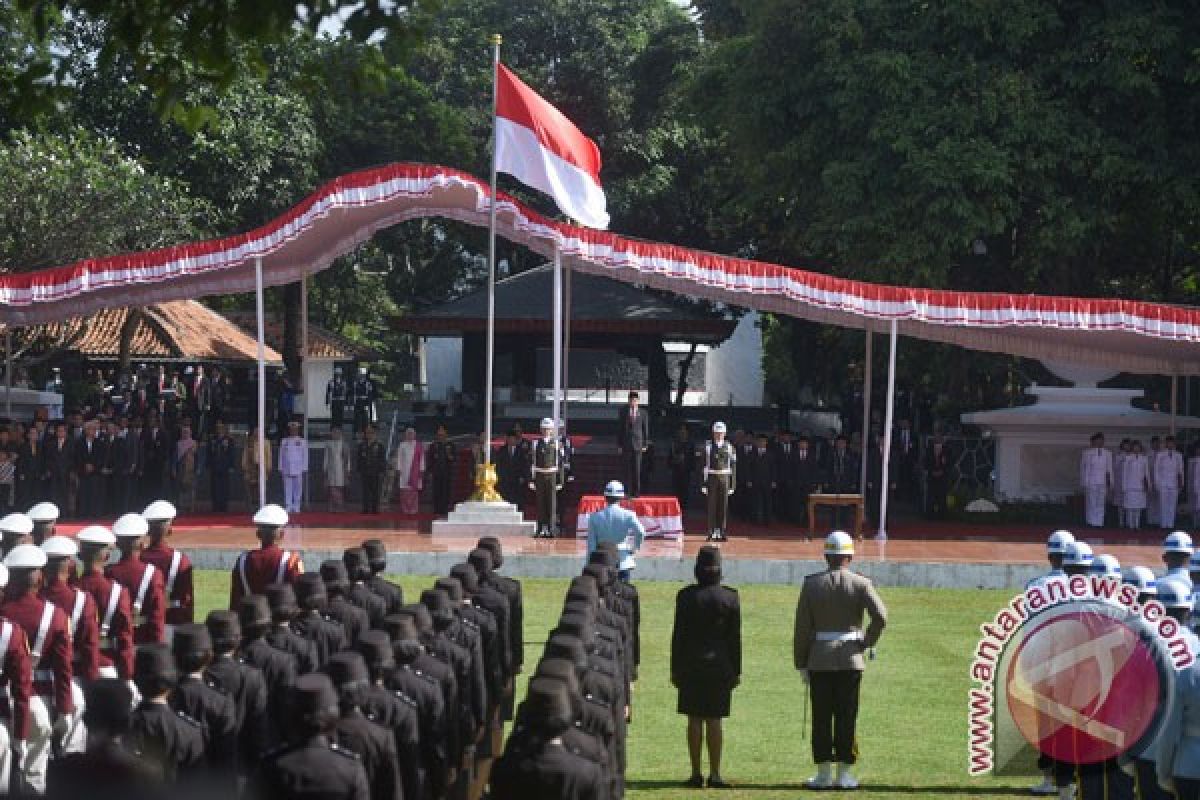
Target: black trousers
[
  {"x": 441, "y": 493},
  {"x": 1147, "y": 781},
  {"x": 632, "y": 458},
  {"x": 834, "y": 715},
  {"x": 1187, "y": 789},
  {"x": 371, "y": 484},
  {"x": 219, "y": 489},
  {"x": 1105, "y": 781},
  {"x": 681, "y": 484}
]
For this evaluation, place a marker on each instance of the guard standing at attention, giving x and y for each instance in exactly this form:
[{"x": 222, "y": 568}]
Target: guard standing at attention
[
  {"x": 440, "y": 460},
  {"x": 828, "y": 651},
  {"x": 546, "y": 479},
  {"x": 335, "y": 397},
  {"x": 142, "y": 580},
  {"x": 16, "y": 682},
  {"x": 371, "y": 464},
  {"x": 112, "y": 603},
  {"x": 718, "y": 480},
  {"x": 255, "y": 570},
  {"x": 172, "y": 563},
  {"x": 364, "y": 401},
  {"x": 616, "y": 525}
]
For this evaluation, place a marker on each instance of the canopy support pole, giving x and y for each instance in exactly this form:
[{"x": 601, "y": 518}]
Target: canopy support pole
[
  {"x": 305, "y": 493},
  {"x": 8, "y": 371},
  {"x": 868, "y": 371},
  {"x": 887, "y": 439},
  {"x": 489, "y": 352},
  {"x": 1174, "y": 400},
  {"x": 557, "y": 337},
  {"x": 262, "y": 383},
  {"x": 566, "y": 355}
]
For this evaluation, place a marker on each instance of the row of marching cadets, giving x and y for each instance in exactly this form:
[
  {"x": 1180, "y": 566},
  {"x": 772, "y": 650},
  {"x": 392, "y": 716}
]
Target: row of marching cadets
[
  {"x": 1168, "y": 766},
  {"x": 568, "y": 738}
]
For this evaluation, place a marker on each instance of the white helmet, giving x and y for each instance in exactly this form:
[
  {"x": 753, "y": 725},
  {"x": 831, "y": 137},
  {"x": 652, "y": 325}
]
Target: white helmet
[
  {"x": 547, "y": 424},
  {"x": 271, "y": 515},
  {"x": 1078, "y": 554},
  {"x": 1056, "y": 545},
  {"x": 1173, "y": 594},
  {"x": 1178, "y": 542},
  {"x": 718, "y": 427},
  {"x": 1106, "y": 565},
  {"x": 1143, "y": 578},
  {"x": 839, "y": 543},
  {"x": 614, "y": 489}
]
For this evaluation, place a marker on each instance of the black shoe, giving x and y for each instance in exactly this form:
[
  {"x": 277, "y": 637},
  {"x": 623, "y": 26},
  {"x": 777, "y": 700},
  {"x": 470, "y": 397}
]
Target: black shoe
[
  {"x": 695, "y": 782},
  {"x": 715, "y": 782}
]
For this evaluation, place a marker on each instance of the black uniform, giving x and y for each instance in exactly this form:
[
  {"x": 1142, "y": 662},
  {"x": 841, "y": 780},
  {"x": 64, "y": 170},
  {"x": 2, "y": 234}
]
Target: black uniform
[
  {"x": 441, "y": 457},
  {"x": 759, "y": 472},
  {"x": 397, "y": 712},
  {"x": 326, "y": 634},
  {"x": 354, "y": 620},
  {"x": 316, "y": 769},
  {"x": 374, "y": 606},
  {"x": 201, "y": 699},
  {"x": 842, "y": 476},
  {"x": 377, "y": 749},
  {"x": 512, "y": 469},
  {"x": 550, "y": 771},
  {"x": 279, "y": 671},
  {"x": 364, "y": 402},
  {"x": 284, "y": 639},
  {"x": 335, "y": 398},
  {"x": 221, "y": 450},
  {"x": 706, "y": 649},
  {"x": 805, "y": 478},
  {"x": 170, "y": 740},
  {"x": 372, "y": 464},
  {"x": 105, "y": 772},
  {"x": 247, "y": 686},
  {"x": 392, "y": 594},
  {"x": 425, "y": 691}
]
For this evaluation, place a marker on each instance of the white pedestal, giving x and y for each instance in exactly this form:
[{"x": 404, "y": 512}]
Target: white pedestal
[{"x": 470, "y": 518}]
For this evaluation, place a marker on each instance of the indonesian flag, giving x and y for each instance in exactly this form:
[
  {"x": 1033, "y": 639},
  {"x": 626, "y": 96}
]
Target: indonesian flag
[{"x": 543, "y": 149}]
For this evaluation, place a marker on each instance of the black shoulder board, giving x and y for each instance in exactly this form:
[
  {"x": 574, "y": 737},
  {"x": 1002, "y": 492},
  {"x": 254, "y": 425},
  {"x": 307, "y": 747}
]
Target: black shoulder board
[
  {"x": 195, "y": 723},
  {"x": 408, "y": 701},
  {"x": 341, "y": 751}
]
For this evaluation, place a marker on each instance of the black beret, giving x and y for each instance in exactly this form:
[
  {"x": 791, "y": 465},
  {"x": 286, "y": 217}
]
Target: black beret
[
  {"x": 254, "y": 611},
  {"x": 376, "y": 649},
  {"x": 190, "y": 640}
]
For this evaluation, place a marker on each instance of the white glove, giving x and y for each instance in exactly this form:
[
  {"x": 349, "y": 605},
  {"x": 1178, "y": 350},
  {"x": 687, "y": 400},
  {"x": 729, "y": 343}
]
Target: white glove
[
  {"x": 804, "y": 676},
  {"x": 731, "y": 492},
  {"x": 531, "y": 486},
  {"x": 703, "y": 490}
]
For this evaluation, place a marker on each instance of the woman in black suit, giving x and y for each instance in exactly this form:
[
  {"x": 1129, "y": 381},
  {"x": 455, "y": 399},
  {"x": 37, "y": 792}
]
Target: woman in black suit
[{"x": 706, "y": 661}]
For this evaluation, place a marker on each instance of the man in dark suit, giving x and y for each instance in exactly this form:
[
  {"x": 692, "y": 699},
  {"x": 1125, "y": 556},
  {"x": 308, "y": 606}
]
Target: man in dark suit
[
  {"x": 807, "y": 474},
  {"x": 842, "y": 476},
  {"x": 904, "y": 456},
  {"x": 58, "y": 459},
  {"x": 783, "y": 450},
  {"x": 760, "y": 480},
  {"x": 91, "y": 455},
  {"x": 511, "y": 469},
  {"x": 633, "y": 435},
  {"x": 156, "y": 459}
]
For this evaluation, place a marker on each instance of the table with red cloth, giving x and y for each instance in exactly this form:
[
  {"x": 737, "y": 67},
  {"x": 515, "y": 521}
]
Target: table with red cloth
[{"x": 660, "y": 516}]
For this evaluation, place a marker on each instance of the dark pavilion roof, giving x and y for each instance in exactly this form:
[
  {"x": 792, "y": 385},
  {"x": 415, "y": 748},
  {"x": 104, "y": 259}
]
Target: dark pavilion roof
[{"x": 598, "y": 305}]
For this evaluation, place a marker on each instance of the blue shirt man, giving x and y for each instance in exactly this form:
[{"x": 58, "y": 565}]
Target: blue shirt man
[{"x": 617, "y": 525}]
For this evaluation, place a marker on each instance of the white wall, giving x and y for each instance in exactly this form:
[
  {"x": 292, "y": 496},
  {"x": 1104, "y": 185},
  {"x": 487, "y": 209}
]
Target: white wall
[
  {"x": 317, "y": 375},
  {"x": 735, "y": 368},
  {"x": 443, "y": 366}
]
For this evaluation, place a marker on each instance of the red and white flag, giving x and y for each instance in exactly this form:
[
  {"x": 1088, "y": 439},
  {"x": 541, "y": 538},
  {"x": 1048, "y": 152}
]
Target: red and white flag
[{"x": 543, "y": 149}]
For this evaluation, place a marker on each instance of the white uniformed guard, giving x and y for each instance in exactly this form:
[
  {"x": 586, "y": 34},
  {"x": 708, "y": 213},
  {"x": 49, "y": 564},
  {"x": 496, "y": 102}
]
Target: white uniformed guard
[
  {"x": 1096, "y": 476},
  {"x": 159, "y": 511},
  {"x": 15, "y": 529},
  {"x": 270, "y": 516},
  {"x": 617, "y": 525},
  {"x": 1177, "y": 555},
  {"x": 1167, "y": 473},
  {"x": 293, "y": 463},
  {"x": 1177, "y": 748}
]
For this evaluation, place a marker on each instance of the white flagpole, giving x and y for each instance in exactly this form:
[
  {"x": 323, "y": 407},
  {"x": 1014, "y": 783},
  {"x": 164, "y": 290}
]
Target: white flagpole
[
  {"x": 557, "y": 302},
  {"x": 8, "y": 371},
  {"x": 887, "y": 436},
  {"x": 262, "y": 383},
  {"x": 868, "y": 371},
  {"x": 566, "y": 355},
  {"x": 304, "y": 373},
  {"x": 489, "y": 353}
]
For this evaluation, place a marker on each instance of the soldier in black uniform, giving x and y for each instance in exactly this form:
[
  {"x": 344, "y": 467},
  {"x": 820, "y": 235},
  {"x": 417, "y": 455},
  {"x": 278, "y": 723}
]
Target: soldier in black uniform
[
  {"x": 607, "y": 554},
  {"x": 327, "y": 634},
  {"x": 445, "y": 643},
  {"x": 244, "y": 684},
  {"x": 352, "y": 618},
  {"x": 278, "y": 668},
  {"x": 511, "y": 469},
  {"x": 462, "y": 590},
  {"x": 486, "y": 558},
  {"x": 410, "y": 679},
  {"x": 358, "y": 593},
  {"x": 433, "y": 660},
  {"x": 546, "y": 479},
  {"x": 537, "y": 764},
  {"x": 391, "y": 708},
  {"x": 198, "y": 696},
  {"x": 109, "y": 770},
  {"x": 364, "y": 400},
  {"x": 760, "y": 477},
  {"x": 220, "y": 466},
  {"x": 371, "y": 465},
  {"x": 706, "y": 660},
  {"x": 392, "y": 594},
  {"x": 169, "y": 740},
  {"x": 281, "y": 597},
  {"x": 681, "y": 460},
  {"x": 361, "y": 734},
  {"x": 440, "y": 459},
  {"x": 335, "y": 397},
  {"x": 312, "y": 767}
]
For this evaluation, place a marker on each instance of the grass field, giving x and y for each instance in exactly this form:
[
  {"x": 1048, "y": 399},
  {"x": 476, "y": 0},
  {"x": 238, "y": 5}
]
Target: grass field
[{"x": 912, "y": 727}]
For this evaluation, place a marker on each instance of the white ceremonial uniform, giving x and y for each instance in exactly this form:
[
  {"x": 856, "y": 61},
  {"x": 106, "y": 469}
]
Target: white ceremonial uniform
[
  {"x": 1120, "y": 458},
  {"x": 1167, "y": 474},
  {"x": 1178, "y": 745},
  {"x": 617, "y": 525},
  {"x": 1179, "y": 575},
  {"x": 293, "y": 463},
  {"x": 1095, "y": 476}
]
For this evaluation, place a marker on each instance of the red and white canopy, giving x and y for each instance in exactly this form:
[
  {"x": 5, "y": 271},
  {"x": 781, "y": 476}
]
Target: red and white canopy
[{"x": 1122, "y": 334}]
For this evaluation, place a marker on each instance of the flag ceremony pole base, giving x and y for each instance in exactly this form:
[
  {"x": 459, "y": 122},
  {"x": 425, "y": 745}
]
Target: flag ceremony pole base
[{"x": 485, "y": 513}]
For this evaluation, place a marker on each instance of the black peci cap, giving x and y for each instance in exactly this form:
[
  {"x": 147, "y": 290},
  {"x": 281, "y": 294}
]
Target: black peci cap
[
  {"x": 376, "y": 650},
  {"x": 494, "y": 546},
  {"x": 452, "y": 587},
  {"x": 310, "y": 590},
  {"x": 155, "y": 662},
  {"x": 467, "y": 578},
  {"x": 254, "y": 611},
  {"x": 191, "y": 640},
  {"x": 334, "y": 573},
  {"x": 281, "y": 597},
  {"x": 708, "y": 556},
  {"x": 376, "y": 552},
  {"x": 548, "y": 707},
  {"x": 481, "y": 560},
  {"x": 347, "y": 669}
]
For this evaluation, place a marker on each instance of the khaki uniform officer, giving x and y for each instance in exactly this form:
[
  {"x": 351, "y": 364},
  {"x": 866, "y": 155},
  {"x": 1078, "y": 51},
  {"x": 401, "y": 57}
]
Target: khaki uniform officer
[
  {"x": 720, "y": 478},
  {"x": 828, "y": 651},
  {"x": 546, "y": 478}
]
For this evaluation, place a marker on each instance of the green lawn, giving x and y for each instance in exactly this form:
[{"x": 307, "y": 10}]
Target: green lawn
[{"x": 912, "y": 728}]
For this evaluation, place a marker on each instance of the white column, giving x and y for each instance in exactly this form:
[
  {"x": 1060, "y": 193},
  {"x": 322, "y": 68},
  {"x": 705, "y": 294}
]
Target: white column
[
  {"x": 557, "y": 346},
  {"x": 1174, "y": 401},
  {"x": 887, "y": 434},
  {"x": 8, "y": 373},
  {"x": 304, "y": 490},
  {"x": 262, "y": 383},
  {"x": 868, "y": 372},
  {"x": 566, "y": 359}
]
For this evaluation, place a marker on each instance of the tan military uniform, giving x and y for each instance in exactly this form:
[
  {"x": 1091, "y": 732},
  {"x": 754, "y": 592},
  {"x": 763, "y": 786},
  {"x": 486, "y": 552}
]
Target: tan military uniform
[
  {"x": 829, "y": 642},
  {"x": 720, "y": 477},
  {"x": 547, "y": 477}
]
